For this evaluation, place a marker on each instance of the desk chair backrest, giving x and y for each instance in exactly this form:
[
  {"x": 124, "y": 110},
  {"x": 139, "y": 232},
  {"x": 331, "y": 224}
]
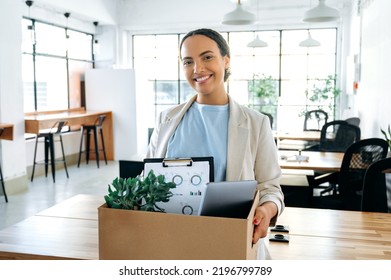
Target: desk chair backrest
[
  {"x": 337, "y": 136},
  {"x": 270, "y": 118},
  {"x": 354, "y": 121},
  {"x": 377, "y": 182},
  {"x": 314, "y": 120},
  {"x": 357, "y": 158}
]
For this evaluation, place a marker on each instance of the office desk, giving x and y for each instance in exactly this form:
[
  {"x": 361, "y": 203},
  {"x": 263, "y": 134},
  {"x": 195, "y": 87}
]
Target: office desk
[
  {"x": 6, "y": 131},
  {"x": 36, "y": 122},
  {"x": 318, "y": 161},
  {"x": 297, "y": 135},
  {"x": 69, "y": 230}
]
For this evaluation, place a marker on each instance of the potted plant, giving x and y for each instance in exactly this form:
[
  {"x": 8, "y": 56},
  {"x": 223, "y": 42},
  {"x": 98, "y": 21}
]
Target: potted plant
[
  {"x": 323, "y": 91},
  {"x": 138, "y": 194},
  {"x": 263, "y": 94},
  {"x": 387, "y": 136}
]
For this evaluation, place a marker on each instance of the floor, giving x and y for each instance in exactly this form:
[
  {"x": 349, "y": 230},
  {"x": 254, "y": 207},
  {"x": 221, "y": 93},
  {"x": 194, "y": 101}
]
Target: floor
[{"x": 43, "y": 193}]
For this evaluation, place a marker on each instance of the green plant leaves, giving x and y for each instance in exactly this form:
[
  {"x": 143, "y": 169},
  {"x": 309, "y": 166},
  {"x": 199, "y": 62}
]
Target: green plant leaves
[{"x": 136, "y": 193}]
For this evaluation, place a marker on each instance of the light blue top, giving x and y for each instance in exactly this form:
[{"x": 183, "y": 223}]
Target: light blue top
[{"x": 202, "y": 132}]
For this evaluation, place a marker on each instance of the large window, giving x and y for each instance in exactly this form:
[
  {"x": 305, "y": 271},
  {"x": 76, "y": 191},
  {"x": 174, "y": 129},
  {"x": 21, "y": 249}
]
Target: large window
[
  {"x": 287, "y": 71},
  {"x": 54, "y": 62}
]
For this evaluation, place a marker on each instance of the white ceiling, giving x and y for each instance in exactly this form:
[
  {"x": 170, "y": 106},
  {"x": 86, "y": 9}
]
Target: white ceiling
[{"x": 146, "y": 15}]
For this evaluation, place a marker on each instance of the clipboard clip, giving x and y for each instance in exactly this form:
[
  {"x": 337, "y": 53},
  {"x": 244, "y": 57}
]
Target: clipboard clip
[{"x": 169, "y": 162}]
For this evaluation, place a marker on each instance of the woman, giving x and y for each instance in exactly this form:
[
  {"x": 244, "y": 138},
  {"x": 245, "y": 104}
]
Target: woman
[{"x": 213, "y": 124}]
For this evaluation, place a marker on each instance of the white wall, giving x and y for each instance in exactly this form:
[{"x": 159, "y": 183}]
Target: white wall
[
  {"x": 374, "y": 95},
  {"x": 11, "y": 94}
]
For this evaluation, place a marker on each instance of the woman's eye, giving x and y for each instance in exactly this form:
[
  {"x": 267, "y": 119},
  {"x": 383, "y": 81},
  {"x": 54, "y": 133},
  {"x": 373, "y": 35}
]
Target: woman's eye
[
  {"x": 186, "y": 62},
  {"x": 208, "y": 57}
]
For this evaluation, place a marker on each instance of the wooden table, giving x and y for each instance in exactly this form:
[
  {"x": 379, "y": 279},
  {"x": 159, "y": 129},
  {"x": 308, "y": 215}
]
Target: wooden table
[
  {"x": 69, "y": 230},
  {"x": 317, "y": 161},
  {"x": 6, "y": 131},
  {"x": 38, "y": 121},
  {"x": 297, "y": 135}
]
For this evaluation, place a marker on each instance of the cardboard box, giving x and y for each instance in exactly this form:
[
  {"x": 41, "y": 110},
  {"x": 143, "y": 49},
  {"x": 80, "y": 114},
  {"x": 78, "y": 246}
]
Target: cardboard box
[{"x": 140, "y": 235}]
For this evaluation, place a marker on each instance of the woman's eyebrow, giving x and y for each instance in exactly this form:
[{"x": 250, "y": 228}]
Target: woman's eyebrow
[{"x": 201, "y": 54}]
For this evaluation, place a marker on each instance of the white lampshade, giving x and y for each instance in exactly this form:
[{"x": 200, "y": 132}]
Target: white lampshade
[
  {"x": 257, "y": 43},
  {"x": 321, "y": 13},
  {"x": 309, "y": 42},
  {"x": 239, "y": 17}
]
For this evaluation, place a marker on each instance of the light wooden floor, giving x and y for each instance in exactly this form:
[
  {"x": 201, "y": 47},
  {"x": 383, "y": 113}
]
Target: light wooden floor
[{"x": 43, "y": 193}]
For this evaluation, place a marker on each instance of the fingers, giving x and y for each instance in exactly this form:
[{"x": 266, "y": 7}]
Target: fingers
[{"x": 261, "y": 225}]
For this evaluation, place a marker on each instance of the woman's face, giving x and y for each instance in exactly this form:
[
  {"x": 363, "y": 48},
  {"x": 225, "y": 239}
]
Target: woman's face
[{"x": 203, "y": 65}]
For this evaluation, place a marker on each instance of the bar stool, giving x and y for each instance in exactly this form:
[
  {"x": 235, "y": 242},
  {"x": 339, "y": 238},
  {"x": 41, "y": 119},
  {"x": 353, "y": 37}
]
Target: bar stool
[
  {"x": 96, "y": 128},
  {"x": 1, "y": 174},
  {"x": 49, "y": 140}
]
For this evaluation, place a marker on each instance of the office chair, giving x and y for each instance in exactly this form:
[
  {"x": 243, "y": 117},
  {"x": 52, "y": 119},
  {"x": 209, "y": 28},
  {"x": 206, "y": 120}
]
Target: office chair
[
  {"x": 49, "y": 140},
  {"x": 96, "y": 128},
  {"x": 270, "y": 118},
  {"x": 337, "y": 136},
  {"x": 354, "y": 121},
  {"x": 314, "y": 120},
  {"x": 375, "y": 187},
  {"x": 357, "y": 158}
]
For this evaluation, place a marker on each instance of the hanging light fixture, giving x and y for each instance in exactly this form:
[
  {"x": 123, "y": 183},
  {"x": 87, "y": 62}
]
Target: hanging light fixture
[
  {"x": 30, "y": 27},
  {"x": 309, "y": 42},
  {"x": 67, "y": 15},
  {"x": 239, "y": 16},
  {"x": 96, "y": 46},
  {"x": 321, "y": 13},
  {"x": 257, "y": 43}
]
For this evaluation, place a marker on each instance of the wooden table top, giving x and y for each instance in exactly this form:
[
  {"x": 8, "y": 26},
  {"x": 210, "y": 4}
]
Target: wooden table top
[
  {"x": 69, "y": 230},
  {"x": 6, "y": 131},
  {"x": 297, "y": 135},
  {"x": 317, "y": 161}
]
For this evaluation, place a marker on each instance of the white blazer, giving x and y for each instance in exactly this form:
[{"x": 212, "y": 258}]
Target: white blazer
[{"x": 252, "y": 152}]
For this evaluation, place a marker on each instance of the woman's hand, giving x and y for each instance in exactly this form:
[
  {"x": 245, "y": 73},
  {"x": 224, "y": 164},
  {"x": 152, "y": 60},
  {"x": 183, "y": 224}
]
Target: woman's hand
[{"x": 263, "y": 214}]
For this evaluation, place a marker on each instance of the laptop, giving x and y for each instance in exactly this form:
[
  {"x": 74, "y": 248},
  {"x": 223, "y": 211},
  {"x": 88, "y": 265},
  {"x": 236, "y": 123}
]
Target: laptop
[{"x": 228, "y": 199}]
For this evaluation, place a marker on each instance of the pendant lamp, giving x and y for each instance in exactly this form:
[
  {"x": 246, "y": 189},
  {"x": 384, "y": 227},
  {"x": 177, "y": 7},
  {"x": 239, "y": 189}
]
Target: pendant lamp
[
  {"x": 309, "y": 42},
  {"x": 239, "y": 16},
  {"x": 321, "y": 13},
  {"x": 257, "y": 43}
]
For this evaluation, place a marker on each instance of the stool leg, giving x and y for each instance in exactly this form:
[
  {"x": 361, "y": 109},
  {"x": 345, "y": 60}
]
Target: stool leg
[
  {"x": 81, "y": 146},
  {"x": 96, "y": 145},
  {"x": 88, "y": 145},
  {"x": 52, "y": 157},
  {"x": 103, "y": 144},
  {"x": 63, "y": 156},
  {"x": 35, "y": 156},
  {"x": 47, "y": 148},
  {"x": 2, "y": 184}
]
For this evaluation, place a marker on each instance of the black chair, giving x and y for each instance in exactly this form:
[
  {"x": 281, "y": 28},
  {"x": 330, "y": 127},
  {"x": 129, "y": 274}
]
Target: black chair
[
  {"x": 314, "y": 120},
  {"x": 270, "y": 118},
  {"x": 49, "y": 137},
  {"x": 374, "y": 196},
  {"x": 337, "y": 136},
  {"x": 96, "y": 128},
  {"x": 354, "y": 121},
  {"x": 1, "y": 175},
  {"x": 357, "y": 158}
]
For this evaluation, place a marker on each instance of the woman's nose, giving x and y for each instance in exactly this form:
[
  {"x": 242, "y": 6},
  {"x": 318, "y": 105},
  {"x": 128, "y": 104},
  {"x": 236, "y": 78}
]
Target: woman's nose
[{"x": 199, "y": 67}]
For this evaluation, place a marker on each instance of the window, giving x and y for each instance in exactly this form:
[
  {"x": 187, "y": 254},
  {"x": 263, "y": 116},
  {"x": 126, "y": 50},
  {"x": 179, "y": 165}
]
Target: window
[
  {"x": 54, "y": 62},
  {"x": 287, "y": 70}
]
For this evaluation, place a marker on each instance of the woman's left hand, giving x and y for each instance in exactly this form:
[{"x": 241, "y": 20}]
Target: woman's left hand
[{"x": 263, "y": 214}]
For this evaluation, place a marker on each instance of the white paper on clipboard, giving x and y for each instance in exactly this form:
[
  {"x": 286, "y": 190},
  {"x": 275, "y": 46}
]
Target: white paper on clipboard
[{"x": 190, "y": 176}]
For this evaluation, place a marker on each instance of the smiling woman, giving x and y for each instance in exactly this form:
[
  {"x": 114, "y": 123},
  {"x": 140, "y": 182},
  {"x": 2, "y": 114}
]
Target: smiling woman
[{"x": 213, "y": 124}]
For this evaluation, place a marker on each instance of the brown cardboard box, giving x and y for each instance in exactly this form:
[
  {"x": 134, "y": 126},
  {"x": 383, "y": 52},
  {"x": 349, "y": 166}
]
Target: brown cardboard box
[{"x": 126, "y": 234}]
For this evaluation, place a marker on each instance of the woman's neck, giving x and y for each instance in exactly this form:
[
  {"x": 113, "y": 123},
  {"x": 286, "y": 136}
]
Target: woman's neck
[{"x": 213, "y": 99}]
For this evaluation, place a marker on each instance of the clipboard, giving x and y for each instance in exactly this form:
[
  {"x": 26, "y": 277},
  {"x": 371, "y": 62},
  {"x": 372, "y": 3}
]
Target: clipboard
[{"x": 190, "y": 176}]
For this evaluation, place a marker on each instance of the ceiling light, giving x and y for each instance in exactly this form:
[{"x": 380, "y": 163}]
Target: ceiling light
[
  {"x": 238, "y": 16},
  {"x": 309, "y": 42},
  {"x": 257, "y": 43},
  {"x": 321, "y": 13}
]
